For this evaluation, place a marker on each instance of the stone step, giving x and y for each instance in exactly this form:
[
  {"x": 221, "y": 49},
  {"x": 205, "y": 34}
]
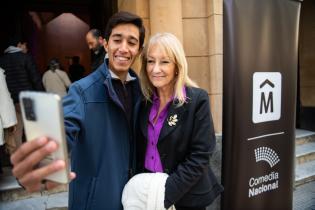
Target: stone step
[
  {"x": 305, "y": 152},
  {"x": 304, "y": 136},
  {"x": 304, "y": 156},
  {"x": 304, "y": 173}
]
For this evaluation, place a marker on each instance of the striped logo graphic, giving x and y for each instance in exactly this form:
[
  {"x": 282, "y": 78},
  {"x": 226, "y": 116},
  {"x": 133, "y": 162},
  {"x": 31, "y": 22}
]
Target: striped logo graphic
[{"x": 266, "y": 154}]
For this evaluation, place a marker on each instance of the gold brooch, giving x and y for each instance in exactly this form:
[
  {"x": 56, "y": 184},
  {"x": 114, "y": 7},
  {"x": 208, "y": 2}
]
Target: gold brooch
[{"x": 172, "y": 120}]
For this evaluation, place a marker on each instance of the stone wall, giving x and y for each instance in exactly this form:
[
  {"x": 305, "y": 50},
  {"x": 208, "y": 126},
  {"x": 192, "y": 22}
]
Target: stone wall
[
  {"x": 216, "y": 166},
  {"x": 198, "y": 24}
]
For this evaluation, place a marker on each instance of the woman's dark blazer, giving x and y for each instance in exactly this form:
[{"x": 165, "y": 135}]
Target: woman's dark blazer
[{"x": 185, "y": 149}]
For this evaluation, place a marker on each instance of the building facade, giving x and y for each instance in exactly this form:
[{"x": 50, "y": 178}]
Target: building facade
[{"x": 198, "y": 24}]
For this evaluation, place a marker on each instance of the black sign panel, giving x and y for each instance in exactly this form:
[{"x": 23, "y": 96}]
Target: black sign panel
[{"x": 259, "y": 97}]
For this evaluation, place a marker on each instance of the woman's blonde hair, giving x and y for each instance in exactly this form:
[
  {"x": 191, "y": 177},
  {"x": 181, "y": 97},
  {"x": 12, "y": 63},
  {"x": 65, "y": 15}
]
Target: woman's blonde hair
[{"x": 174, "y": 50}]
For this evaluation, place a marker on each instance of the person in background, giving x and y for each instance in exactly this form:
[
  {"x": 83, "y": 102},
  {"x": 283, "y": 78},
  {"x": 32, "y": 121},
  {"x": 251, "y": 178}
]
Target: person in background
[
  {"x": 7, "y": 118},
  {"x": 176, "y": 134},
  {"x": 76, "y": 70},
  {"x": 56, "y": 80},
  {"x": 21, "y": 74},
  {"x": 23, "y": 46},
  {"x": 95, "y": 43}
]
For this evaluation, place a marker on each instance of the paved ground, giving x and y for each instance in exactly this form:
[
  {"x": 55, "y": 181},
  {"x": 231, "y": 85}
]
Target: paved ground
[
  {"x": 57, "y": 201},
  {"x": 304, "y": 199}
]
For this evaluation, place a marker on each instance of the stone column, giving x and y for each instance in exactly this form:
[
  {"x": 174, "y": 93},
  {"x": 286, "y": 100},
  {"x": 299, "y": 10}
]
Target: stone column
[
  {"x": 166, "y": 16},
  {"x": 141, "y": 8},
  {"x": 215, "y": 27}
]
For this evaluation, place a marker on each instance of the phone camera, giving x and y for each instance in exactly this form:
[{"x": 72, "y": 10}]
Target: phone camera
[{"x": 28, "y": 104}]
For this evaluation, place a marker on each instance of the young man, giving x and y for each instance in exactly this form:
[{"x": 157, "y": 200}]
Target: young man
[
  {"x": 95, "y": 41},
  {"x": 100, "y": 113}
]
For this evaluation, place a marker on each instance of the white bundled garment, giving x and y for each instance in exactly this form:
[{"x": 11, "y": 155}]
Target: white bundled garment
[{"x": 145, "y": 191}]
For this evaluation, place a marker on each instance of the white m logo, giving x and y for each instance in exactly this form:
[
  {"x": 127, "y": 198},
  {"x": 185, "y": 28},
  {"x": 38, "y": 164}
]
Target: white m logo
[{"x": 266, "y": 96}]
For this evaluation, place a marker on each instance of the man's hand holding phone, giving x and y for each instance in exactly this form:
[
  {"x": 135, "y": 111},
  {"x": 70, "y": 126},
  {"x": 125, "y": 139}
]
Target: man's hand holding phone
[
  {"x": 26, "y": 159},
  {"x": 42, "y": 161}
]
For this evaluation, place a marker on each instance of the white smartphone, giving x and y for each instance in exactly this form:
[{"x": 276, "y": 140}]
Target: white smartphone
[{"x": 42, "y": 115}]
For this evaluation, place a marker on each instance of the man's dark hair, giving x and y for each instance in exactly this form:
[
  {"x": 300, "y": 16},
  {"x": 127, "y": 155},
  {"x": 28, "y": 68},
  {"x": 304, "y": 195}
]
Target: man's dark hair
[
  {"x": 95, "y": 33},
  {"x": 124, "y": 18}
]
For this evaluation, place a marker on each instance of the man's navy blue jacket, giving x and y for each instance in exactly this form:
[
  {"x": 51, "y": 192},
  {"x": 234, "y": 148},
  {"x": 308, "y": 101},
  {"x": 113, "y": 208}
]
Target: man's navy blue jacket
[{"x": 100, "y": 139}]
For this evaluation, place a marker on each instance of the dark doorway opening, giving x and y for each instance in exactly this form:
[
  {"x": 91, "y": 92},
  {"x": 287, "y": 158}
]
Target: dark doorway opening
[
  {"x": 306, "y": 69},
  {"x": 55, "y": 28}
]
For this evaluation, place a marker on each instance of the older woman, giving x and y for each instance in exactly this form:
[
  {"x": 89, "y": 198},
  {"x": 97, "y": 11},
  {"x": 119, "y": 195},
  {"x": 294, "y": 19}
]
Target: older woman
[{"x": 176, "y": 130}]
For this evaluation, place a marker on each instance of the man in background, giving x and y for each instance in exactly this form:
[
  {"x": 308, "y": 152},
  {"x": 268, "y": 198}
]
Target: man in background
[
  {"x": 95, "y": 42},
  {"x": 21, "y": 74},
  {"x": 23, "y": 46}
]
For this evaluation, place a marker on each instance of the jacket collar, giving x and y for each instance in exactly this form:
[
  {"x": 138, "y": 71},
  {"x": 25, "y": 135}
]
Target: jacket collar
[
  {"x": 168, "y": 127},
  {"x": 112, "y": 93},
  {"x": 110, "y": 75},
  {"x": 128, "y": 78},
  {"x": 108, "y": 81}
]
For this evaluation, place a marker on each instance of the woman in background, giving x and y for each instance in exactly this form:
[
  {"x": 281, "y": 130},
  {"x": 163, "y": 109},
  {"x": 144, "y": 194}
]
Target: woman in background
[{"x": 56, "y": 80}]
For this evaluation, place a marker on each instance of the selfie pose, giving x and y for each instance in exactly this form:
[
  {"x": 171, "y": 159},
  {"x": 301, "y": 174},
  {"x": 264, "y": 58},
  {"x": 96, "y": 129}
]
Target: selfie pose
[
  {"x": 100, "y": 113},
  {"x": 176, "y": 130}
]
